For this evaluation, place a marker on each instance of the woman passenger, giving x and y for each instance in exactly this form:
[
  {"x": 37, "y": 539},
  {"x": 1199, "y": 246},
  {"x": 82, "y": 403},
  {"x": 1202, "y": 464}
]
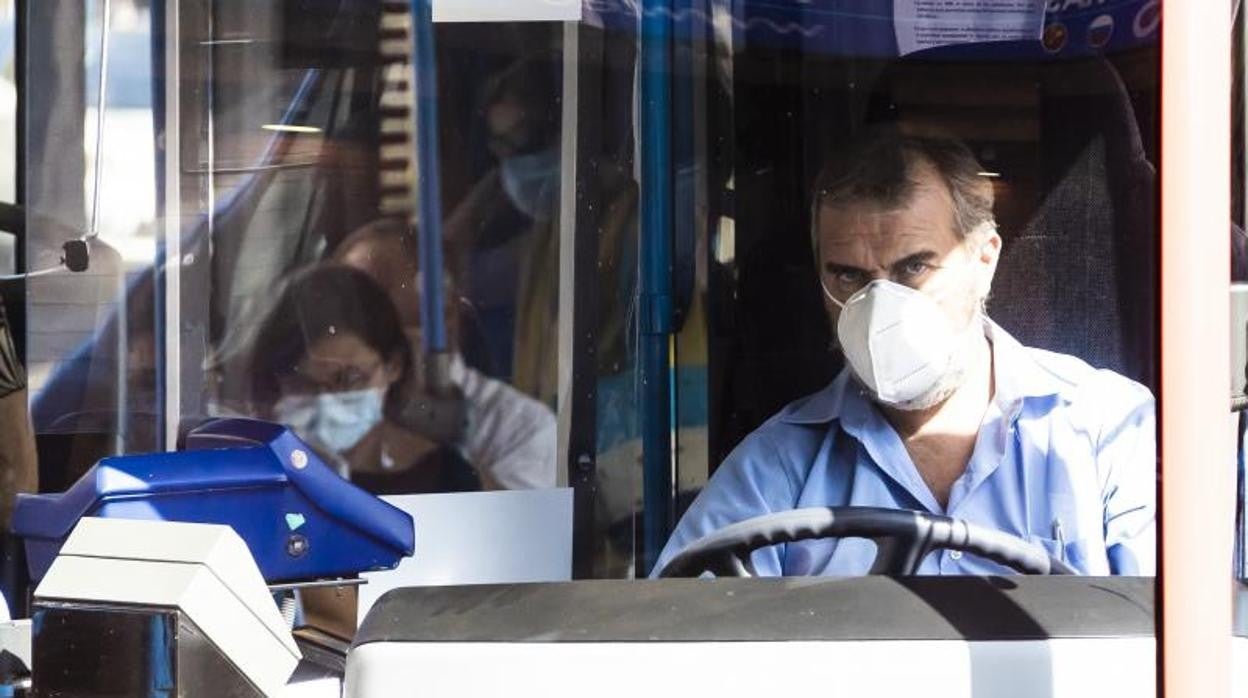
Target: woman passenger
[{"x": 330, "y": 360}]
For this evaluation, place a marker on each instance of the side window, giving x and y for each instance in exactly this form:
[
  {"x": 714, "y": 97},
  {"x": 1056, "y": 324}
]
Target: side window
[{"x": 91, "y": 172}]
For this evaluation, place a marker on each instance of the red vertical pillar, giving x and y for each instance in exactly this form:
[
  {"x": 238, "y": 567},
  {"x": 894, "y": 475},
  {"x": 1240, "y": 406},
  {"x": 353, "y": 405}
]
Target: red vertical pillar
[{"x": 1197, "y": 457}]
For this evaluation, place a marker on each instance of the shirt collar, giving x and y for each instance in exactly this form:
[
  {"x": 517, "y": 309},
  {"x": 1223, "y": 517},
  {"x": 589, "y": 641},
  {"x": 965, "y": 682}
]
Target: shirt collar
[
  {"x": 458, "y": 369},
  {"x": 1018, "y": 376},
  {"x": 1017, "y": 373}
]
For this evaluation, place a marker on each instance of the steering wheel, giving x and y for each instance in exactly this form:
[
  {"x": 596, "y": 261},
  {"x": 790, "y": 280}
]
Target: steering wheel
[{"x": 902, "y": 537}]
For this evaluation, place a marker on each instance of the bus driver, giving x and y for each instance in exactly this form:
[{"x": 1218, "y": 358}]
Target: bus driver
[{"x": 938, "y": 409}]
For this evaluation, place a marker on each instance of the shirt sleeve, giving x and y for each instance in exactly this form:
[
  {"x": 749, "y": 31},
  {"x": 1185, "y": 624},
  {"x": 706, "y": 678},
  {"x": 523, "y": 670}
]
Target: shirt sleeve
[
  {"x": 752, "y": 481},
  {"x": 512, "y": 438},
  {"x": 1127, "y": 453}
]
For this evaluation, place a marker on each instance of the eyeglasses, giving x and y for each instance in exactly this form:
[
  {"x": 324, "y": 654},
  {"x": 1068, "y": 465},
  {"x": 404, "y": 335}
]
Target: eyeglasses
[{"x": 337, "y": 379}]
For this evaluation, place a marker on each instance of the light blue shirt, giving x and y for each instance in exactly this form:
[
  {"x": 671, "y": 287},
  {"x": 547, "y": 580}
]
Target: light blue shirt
[{"x": 1065, "y": 458}]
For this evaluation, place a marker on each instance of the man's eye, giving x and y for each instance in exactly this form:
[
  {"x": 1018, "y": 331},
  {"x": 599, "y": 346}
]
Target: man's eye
[
  {"x": 913, "y": 269},
  {"x": 847, "y": 278}
]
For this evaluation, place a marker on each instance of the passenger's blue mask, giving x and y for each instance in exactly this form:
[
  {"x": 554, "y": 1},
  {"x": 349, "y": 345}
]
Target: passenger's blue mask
[
  {"x": 336, "y": 421},
  {"x": 532, "y": 182}
]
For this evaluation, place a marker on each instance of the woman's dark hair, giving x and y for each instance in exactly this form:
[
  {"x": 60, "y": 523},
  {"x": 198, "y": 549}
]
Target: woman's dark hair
[{"x": 323, "y": 301}]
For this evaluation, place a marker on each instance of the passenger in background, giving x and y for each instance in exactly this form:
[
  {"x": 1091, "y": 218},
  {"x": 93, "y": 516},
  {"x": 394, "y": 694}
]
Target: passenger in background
[
  {"x": 330, "y": 360},
  {"x": 510, "y": 438},
  {"x": 509, "y": 227},
  {"x": 504, "y": 225}
]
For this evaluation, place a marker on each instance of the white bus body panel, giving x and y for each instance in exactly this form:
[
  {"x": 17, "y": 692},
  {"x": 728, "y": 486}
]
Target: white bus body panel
[{"x": 1070, "y": 668}]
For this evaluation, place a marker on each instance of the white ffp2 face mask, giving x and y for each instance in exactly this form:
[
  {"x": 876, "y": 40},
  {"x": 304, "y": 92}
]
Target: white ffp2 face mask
[{"x": 901, "y": 345}]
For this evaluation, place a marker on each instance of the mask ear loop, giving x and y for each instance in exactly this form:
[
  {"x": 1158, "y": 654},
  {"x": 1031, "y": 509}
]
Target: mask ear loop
[
  {"x": 833, "y": 341},
  {"x": 828, "y": 293}
]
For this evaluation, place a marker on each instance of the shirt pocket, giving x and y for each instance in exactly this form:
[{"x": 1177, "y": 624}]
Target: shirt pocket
[{"x": 1087, "y": 557}]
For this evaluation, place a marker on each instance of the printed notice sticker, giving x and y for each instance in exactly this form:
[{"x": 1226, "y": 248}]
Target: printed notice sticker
[
  {"x": 506, "y": 10},
  {"x": 921, "y": 24}
]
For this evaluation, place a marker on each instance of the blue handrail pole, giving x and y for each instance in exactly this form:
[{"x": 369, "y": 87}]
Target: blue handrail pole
[
  {"x": 655, "y": 283},
  {"x": 429, "y": 199}
]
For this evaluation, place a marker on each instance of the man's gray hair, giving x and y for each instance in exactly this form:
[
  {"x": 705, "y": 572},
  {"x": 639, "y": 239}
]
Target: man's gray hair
[{"x": 879, "y": 170}]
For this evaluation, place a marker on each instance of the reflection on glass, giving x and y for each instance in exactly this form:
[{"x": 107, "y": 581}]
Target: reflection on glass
[{"x": 314, "y": 320}]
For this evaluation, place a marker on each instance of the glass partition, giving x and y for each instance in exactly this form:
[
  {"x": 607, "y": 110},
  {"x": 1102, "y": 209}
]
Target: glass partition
[{"x": 629, "y": 285}]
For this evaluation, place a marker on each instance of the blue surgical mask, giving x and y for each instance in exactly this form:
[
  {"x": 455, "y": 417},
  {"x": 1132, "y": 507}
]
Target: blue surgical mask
[
  {"x": 532, "y": 182},
  {"x": 336, "y": 421}
]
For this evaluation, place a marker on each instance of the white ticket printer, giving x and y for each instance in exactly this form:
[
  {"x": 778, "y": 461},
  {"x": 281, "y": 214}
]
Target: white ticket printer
[{"x": 158, "y": 608}]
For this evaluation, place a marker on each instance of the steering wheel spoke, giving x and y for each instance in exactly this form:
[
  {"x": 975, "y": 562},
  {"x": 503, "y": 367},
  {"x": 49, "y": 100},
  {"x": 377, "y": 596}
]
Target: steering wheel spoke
[
  {"x": 742, "y": 564},
  {"x": 731, "y": 563},
  {"x": 898, "y": 555}
]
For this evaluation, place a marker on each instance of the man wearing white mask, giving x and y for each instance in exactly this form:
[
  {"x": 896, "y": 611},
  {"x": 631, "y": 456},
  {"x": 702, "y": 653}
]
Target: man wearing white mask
[{"x": 938, "y": 409}]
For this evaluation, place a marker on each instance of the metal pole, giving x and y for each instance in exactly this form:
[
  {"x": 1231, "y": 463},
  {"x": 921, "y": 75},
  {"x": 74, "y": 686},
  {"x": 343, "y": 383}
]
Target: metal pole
[
  {"x": 168, "y": 280},
  {"x": 580, "y": 215},
  {"x": 655, "y": 283},
  {"x": 100, "y": 102},
  {"x": 93, "y": 231},
  {"x": 17, "y": 295},
  {"x": 429, "y": 198},
  {"x": 1197, "y": 461}
]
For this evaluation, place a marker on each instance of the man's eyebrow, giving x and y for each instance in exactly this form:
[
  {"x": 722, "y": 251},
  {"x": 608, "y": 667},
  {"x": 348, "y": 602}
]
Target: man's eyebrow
[{"x": 834, "y": 268}]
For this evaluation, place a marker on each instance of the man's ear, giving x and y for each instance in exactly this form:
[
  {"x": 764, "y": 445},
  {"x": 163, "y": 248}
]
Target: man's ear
[{"x": 989, "y": 254}]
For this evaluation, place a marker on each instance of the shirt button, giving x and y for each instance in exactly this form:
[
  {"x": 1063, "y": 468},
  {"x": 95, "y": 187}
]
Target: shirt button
[{"x": 955, "y": 554}]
